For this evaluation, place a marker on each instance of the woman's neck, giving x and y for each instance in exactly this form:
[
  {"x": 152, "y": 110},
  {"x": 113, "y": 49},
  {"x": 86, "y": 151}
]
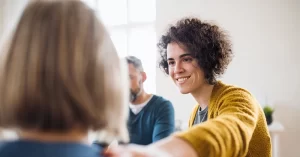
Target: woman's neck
[
  {"x": 75, "y": 135},
  {"x": 202, "y": 95}
]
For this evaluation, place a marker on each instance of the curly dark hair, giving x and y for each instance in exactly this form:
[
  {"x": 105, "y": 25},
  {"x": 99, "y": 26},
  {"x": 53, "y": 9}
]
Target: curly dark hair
[{"x": 204, "y": 41}]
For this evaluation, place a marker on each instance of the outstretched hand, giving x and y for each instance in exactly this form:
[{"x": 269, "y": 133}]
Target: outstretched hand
[
  {"x": 168, "y": 147},
  {"x": 133, "y": 151}
]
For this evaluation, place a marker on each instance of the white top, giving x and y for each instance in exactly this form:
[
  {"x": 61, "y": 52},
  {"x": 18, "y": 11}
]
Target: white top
[{"x": 138, "y": 107}]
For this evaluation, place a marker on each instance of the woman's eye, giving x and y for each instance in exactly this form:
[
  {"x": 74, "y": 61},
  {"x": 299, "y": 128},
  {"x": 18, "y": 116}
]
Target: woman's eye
[
  {"x": 171, "y": 63},
  {"x": 188, "y": 59}
]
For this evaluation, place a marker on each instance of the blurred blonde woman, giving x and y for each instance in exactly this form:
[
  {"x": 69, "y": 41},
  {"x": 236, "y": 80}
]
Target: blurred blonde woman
[{"x": 60, "y": 78}]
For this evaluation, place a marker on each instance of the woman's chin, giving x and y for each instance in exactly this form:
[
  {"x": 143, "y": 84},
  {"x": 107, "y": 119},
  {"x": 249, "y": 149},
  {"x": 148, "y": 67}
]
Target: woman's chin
[{"x": 184, "y": 91}]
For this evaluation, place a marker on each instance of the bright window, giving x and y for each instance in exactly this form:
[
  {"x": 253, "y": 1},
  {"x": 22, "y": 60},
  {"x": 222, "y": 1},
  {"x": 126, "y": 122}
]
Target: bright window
[{"x": 132, "y": 30}]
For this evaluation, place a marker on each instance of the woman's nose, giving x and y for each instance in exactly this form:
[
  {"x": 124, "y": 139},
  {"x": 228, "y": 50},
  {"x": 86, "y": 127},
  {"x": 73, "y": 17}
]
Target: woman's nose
[{"x": 178, "y": 68}]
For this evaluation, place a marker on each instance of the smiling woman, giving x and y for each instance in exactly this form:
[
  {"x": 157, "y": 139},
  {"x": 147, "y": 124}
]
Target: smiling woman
[
  {"x": 195, "y": 53},
  {"x": 227, "y": 121}
]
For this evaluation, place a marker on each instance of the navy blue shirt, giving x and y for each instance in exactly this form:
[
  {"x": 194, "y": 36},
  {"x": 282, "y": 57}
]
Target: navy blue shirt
[
  {"x": 26, "y": 148},
  {"x": 154, "y": 122}
]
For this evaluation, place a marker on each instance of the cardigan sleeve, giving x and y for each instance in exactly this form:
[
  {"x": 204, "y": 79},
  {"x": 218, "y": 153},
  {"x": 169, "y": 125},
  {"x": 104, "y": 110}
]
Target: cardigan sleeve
[{"x": 229, "y": 133}]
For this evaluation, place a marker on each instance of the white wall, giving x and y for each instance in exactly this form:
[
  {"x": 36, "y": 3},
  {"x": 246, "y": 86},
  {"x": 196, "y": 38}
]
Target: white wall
[
  {"x": 266, "y": 39},
  {"x": 1, "y": 18},
  {"x": 10, "y": 11}
]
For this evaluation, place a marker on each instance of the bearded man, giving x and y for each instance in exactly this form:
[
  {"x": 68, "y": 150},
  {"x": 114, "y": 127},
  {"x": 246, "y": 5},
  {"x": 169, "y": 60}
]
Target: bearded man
[{"x": 151, "y": 117}]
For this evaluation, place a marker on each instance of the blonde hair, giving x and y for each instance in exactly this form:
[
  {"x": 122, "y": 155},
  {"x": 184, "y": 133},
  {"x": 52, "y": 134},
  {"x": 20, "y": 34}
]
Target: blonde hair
[{"x": 61, "y": 71}]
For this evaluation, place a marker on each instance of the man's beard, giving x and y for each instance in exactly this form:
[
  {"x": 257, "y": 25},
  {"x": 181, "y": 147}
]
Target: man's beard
[{"x": 134, "y": 94}]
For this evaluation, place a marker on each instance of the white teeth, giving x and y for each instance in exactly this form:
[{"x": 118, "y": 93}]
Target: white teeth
[{"x": 180, "y": 80}]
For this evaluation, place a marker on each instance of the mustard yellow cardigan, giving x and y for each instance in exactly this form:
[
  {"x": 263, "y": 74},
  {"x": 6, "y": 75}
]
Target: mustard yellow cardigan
[{"x": 236, "y": 126}]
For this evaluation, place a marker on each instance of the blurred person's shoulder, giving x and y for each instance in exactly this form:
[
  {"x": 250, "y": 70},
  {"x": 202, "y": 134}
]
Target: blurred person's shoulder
[
  {"x": 20, "y": 148},
  {"x": 7, "y": 148}
]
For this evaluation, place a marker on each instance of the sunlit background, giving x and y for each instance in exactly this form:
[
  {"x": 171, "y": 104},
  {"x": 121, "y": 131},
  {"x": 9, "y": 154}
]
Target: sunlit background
[{"x": 131, "y": 24}]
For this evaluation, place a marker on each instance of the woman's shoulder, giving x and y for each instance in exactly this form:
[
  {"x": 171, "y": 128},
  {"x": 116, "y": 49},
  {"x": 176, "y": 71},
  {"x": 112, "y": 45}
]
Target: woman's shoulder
[
  {"x": 222, "y": 90},
  {"x": 229, "y": 94}
]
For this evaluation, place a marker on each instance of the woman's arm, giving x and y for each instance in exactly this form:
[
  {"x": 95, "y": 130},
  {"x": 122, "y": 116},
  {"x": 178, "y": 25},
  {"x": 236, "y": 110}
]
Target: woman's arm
[
  {"x": 228, "y": 134},
  {"x": 168, "y": 147}
]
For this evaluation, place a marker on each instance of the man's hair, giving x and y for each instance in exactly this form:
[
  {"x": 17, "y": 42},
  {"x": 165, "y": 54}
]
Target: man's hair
[
  {"x": 136, "y": 62},
  {"x": 204, "y": 41},
  {"x": 61, "y": 71}
]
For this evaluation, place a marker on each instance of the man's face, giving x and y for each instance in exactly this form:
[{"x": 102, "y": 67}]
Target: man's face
[{"x": 136, "y": 81}]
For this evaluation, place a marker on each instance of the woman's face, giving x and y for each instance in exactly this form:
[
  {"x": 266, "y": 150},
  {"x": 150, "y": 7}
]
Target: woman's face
[{"x": 184, "y": 69}]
